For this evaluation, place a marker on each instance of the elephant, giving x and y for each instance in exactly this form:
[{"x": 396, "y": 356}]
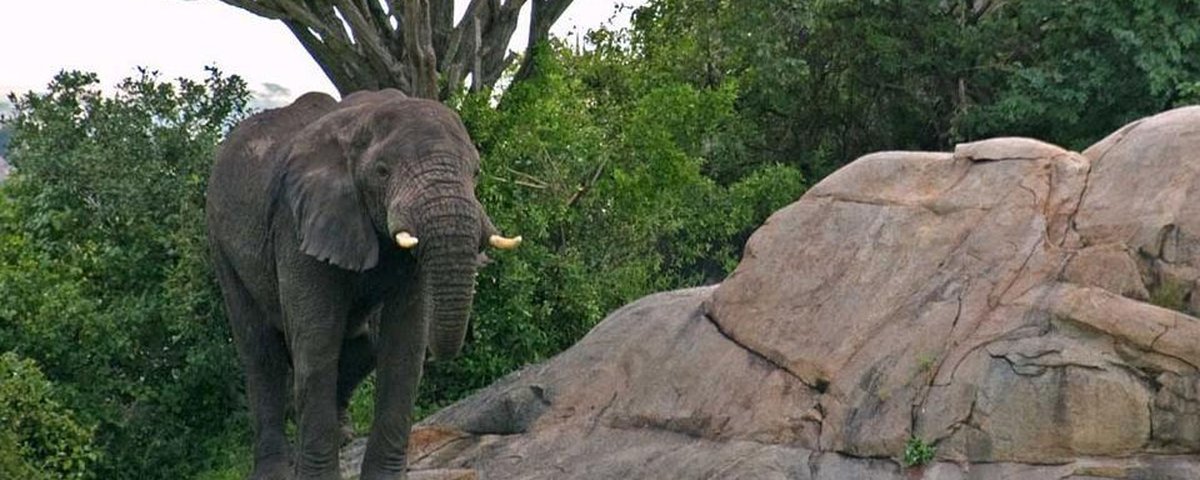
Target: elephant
[{"x": 345, "y": 237}]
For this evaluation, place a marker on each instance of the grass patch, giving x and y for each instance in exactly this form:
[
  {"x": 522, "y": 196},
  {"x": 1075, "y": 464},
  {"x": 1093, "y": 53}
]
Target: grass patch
[
  {"x": 926, "y": 361},
  {"x": 1171, "y": 294},
  {"x": 232, "y": 460}
]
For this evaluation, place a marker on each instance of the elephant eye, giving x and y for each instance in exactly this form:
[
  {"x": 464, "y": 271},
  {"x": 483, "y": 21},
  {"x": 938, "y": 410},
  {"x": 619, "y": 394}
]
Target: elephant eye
[{"x": 381, "y": 170}]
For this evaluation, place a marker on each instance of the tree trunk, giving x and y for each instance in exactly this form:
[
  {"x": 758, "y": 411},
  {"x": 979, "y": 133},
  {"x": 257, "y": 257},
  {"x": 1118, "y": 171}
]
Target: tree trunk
[{"x": 410, "y": 45}]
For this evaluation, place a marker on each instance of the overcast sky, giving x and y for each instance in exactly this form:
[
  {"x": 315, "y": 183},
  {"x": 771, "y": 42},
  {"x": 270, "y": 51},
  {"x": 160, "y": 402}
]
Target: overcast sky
[{"x": 179, "y": 37}]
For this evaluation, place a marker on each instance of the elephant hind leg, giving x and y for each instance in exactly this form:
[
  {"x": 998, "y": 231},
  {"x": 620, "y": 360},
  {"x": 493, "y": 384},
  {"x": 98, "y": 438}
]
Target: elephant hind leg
[
  {"x": 265, "y": 361},
  {"x": 356, "y": 362}
]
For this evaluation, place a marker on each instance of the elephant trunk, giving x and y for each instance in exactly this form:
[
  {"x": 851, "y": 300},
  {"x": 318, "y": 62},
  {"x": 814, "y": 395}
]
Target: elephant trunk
[{"x": 448, "y": 265}]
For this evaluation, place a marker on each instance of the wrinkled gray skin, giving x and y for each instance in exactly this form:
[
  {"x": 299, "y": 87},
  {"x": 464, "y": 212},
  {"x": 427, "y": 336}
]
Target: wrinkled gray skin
[{"x": 303, "y": 204}]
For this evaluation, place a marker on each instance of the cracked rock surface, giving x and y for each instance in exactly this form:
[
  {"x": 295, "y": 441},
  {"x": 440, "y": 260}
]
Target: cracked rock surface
[{"x": 1026, "y": 309}]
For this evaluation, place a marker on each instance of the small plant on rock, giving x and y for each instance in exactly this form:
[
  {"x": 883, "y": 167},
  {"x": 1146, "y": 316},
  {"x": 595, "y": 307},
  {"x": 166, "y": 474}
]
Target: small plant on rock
[
  {"x": 917, "y": 452},
  {"x": 1171, "y": 294},
  {"x": 926, "y": 362}
]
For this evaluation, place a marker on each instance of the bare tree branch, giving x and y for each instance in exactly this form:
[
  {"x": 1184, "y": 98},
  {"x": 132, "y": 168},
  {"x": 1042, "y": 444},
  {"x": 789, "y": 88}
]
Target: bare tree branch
[
  {"x": 469, "y": 20},
  {"x": 326, "y": 58},
  {"x": 476, "y": 62},
  {"x": 545, "y": 14},
  {"x": 409, "y": 44},
  {"x": 495, "y": 30},
  {"x": 372, "y": 43},
  {"x": 442, "y": 21},
  {"x": 418, "y": 43},
  {"x": 261, "y": 8}
]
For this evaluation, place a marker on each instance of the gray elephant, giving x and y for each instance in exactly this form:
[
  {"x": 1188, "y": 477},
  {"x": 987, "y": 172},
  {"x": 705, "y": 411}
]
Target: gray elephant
[{"x": 346, "y": 237}]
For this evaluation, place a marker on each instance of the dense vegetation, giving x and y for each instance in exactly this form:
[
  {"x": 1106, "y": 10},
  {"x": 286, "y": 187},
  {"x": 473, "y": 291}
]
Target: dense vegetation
[
  {"x": 104, "y": 278},
  {"x": 640, "y": 164},
  {"x": 825, "y": 81}
]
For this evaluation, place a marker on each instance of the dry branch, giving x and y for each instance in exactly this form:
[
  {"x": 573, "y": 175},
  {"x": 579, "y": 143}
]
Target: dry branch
[{"x": 357, "y": 46}]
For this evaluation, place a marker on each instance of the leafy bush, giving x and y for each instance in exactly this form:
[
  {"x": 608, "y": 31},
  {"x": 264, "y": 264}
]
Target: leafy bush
[
  {"x": 105, "y": 277},
  {"x": 39, "y": 438}
]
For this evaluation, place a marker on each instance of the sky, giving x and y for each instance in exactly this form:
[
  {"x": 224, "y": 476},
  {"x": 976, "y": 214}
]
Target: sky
[{"x": 178, "y": 38}]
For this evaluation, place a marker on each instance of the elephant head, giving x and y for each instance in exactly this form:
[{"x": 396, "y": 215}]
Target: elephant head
[{"x": 383, "y": 171}]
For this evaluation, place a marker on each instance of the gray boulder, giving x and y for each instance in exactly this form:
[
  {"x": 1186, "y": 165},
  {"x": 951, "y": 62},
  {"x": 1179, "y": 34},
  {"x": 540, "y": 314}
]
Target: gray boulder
[{"x": 1025, "y": 309}]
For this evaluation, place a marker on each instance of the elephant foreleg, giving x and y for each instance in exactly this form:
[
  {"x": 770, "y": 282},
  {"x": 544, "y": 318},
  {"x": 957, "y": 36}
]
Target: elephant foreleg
[
  {"x": 401, "y": 352},
  {"x": 315, "y": 313},
  {"x": 315, "y": 352}
]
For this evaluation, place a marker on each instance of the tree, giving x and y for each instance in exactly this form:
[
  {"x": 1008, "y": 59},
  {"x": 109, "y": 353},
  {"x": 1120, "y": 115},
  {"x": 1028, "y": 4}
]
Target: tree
[
  {"x": 410, "y": 44},
  {"x": 825, "y": 82}
]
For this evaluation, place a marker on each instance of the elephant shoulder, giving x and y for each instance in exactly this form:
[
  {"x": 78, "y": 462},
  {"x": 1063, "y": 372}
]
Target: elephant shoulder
[
  {"x": 247, "y": 166},
  {"x": 256, "y": 137}
]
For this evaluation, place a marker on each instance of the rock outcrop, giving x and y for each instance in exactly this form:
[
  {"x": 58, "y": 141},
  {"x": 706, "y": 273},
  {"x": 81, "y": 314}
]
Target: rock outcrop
[
  {"x": 1025, "y": 309},
  {"x": 4, "y": 169}
]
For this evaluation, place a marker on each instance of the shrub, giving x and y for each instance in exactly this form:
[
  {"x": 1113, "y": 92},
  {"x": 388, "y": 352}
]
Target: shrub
[
  {"x": 105, "y": 277},
  {"x": 39, "y": 437}
]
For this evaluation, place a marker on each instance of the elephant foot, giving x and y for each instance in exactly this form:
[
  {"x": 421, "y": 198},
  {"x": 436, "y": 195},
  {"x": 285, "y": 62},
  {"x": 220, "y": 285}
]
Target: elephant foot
[
  {"x": 272, "y": 470},
  {"x": 347, "y": 428},
  {"x": 375, "y": 472},
  {"x": 381, "y": 476}
]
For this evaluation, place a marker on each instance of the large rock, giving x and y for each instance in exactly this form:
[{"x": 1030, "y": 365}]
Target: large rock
[{"x": 1024, "y": 308}]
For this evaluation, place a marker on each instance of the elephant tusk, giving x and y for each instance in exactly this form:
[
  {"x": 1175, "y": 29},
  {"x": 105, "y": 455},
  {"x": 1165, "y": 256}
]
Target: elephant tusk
[
  {"x": 504, "y": 243},
  {"x": 406, "y": 241}
]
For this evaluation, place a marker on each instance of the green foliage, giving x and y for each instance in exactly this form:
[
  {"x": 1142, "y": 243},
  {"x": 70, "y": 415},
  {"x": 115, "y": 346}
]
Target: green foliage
[
  {"x": 39, "y": 437},
  {"x": 917, "y": 452},
  {"x": 105, "y": 277},
  {"x": 826, "y": 81},
  {"x": 1097, "y": 66},
  {"x": 12, "y": 462}
]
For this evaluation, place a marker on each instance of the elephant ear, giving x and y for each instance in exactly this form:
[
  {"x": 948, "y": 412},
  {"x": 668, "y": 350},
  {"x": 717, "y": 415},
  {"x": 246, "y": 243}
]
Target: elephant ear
[{"x": 331, "y": 220}]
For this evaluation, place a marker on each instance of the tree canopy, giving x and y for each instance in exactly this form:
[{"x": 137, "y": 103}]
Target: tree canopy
[
  {"x": 824, "y": 82},
  {"x": 414, "y": 46}
]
